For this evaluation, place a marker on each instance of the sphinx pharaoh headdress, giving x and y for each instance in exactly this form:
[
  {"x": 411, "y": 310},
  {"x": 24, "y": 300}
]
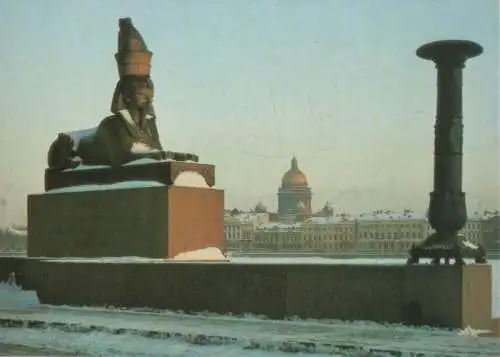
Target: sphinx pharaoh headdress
[{"x": 133, "y": 59}]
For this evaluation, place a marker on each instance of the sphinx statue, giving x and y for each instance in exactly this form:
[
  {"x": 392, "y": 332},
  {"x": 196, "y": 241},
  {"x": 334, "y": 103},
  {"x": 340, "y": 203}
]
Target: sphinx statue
[{"x": 130, "y": 133}]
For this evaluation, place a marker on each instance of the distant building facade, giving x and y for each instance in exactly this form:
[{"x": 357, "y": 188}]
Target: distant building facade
[
  {"x": 380, "y": 232},
  {"x": 239, "y": 228},
  {"x": 329, "y": 233},
  {"x": 295, "y": 228},
  {"x": 490, "y": 232},
  {"x": 275, "y": 236},
  {"x": 387, "y": 231},
  {"x": 472, "y": 228}
]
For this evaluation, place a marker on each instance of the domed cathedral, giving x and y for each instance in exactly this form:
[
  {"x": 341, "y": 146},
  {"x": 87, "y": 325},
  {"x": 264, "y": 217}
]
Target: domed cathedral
[{"x": 294, "y": 195}]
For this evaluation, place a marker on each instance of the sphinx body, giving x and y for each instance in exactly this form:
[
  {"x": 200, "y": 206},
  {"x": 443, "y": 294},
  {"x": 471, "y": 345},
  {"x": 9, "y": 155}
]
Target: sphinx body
[
  {"x": 130, "y": 133},
  {"x": 114, "y": 142}
]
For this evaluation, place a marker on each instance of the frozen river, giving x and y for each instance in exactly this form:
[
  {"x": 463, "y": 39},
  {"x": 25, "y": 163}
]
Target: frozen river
[{"x": 48, "y": 330}]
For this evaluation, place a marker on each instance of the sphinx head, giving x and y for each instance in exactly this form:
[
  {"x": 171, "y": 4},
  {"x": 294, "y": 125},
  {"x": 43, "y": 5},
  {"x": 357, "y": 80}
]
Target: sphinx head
[
  {"x": 135, "y": 88},
  {"x": 138, "y": 91},
  {"x": 132, "y": 93}
]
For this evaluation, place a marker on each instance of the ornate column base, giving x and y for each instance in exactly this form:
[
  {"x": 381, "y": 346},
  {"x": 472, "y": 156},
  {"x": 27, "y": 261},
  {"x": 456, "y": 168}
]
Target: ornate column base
[{"x": 456, "y": 247}]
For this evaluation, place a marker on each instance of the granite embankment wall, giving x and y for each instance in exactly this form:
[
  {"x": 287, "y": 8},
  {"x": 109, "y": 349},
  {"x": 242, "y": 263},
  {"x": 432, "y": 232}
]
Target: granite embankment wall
[
  {"x": 448, "y": 296},
  {"x": 10, "y": 265}
]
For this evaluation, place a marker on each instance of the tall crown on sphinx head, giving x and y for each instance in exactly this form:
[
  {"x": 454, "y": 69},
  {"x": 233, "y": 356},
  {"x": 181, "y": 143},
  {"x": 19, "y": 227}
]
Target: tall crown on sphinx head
[{"x": 133, "y": 56}]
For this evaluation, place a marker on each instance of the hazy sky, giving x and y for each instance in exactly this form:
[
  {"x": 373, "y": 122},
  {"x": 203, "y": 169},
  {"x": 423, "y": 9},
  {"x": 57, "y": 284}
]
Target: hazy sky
[{"x": 247, "y": 84}]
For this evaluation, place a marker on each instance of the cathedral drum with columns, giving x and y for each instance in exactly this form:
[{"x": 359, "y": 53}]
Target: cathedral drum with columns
[{"x": 294, "y": 195}]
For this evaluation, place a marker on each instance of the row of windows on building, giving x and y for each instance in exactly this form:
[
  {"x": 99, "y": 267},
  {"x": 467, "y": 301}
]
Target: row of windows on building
[{"x": 396, "y": 236}]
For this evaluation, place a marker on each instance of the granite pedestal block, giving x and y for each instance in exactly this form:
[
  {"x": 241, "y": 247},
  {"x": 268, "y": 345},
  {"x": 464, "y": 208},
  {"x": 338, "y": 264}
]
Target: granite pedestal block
[
  {"x": 449, "y": 296},
  {"x": 153, "y": 218},
  {"x": 161, "y": 171},
  {"x": 495, "y": 327}
]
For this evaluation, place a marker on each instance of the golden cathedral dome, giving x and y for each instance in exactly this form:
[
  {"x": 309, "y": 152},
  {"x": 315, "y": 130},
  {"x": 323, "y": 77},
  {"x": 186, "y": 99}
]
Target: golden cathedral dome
[{"x": 294, "y": 177}]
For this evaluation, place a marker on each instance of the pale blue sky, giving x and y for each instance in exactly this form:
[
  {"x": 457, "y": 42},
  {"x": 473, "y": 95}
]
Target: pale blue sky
[{"x": 246, "y": 84}]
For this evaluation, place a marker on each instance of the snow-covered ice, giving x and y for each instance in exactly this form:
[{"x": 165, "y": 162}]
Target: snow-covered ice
[
  {"x": 12, "y": 297},
  {"x": 243, "y": 333},
  {"x": 103, "y": 344}
]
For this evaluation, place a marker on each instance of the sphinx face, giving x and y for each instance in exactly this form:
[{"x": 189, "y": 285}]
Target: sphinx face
[
  {"x": 138, "y": 91},
  {"x": 142, "y": 96}
]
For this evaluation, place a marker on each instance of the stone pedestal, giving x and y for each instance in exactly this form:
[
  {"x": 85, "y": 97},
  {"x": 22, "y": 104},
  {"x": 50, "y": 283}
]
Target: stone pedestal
[
  {"x": 161, "y": 171},
  {"x": 448, "y": 296},
  {"x": 495, "y": 327},
  {"x": 155, "y": 218}
]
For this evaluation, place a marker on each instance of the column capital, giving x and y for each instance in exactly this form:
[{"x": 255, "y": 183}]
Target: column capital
[{"x": 449, "y": 53}]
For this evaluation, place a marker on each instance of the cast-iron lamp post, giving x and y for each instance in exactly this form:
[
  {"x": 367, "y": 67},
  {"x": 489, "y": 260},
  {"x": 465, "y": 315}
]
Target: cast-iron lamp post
[{"x": 447, "y": 207}]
